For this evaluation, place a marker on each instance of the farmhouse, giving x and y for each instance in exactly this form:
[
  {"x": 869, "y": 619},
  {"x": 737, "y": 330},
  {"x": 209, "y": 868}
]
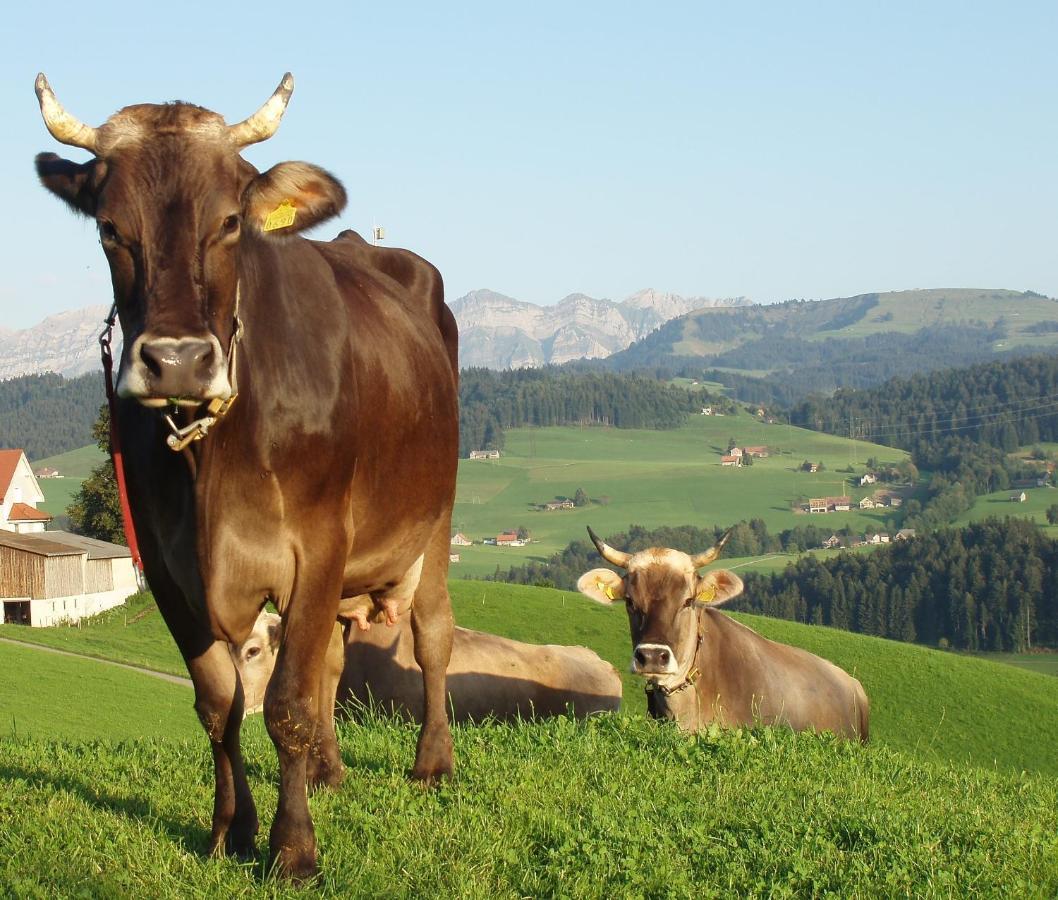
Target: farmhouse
[
  {"x": 731, "y": 460},
  {"x": 47, "y": 472},
  {"x": 461, "y": 540},
  {"x": 829, "y": 504},
  {"x": 484, "y": 454},
  {"x": 818, "y": 505},
  {"x": 869, "y": 478},
  {"x": 759, "y": 452},
  {"x": 1019, "y": 497},
  {"x": 509, "y": 539},
  {"x": 58, "y": 577},
  {"x": 453, "y": 557},
  {"x": 559, "y": 504},
  {"x": 19, "y": 495},
  {"x": 831, "y": 542},
  {"x": 867, "y": 503},
  {"x": 905, "y": 534}
]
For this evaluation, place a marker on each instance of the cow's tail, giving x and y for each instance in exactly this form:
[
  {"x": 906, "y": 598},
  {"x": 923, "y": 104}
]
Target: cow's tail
[{"x": 864, "y": 709}]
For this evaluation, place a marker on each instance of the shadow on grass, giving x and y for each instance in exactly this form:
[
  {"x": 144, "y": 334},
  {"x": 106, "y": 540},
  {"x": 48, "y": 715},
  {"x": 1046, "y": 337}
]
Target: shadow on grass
[{"x": 139, "y": 810}]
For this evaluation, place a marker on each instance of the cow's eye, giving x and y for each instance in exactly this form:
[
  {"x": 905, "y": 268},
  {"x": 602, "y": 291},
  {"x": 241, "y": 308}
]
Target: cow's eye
[
  {"x": 230, "y": 225},
  {"x": 252, "y": 652},
  {"x": 108, "y": 234}
]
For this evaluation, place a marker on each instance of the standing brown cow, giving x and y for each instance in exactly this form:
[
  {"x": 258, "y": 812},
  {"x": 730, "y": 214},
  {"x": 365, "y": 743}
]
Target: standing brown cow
[
  {"x": 702, "y": 666},
  {"x": 312, "y": 388}
]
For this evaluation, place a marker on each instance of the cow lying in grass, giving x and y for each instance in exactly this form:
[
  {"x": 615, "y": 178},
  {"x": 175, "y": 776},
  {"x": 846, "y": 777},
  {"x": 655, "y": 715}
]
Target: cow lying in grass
[
  {"x": 488, "y": 677},
  {"x": 702, "y": 666}
]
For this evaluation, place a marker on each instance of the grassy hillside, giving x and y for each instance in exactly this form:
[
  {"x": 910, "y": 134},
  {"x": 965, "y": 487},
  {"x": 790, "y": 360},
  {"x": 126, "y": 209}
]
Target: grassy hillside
[
  {"x": 610, "y": 807},
  {"x": 649, "y": 478},
  {"x": 47, "y": 695},
  {"x": 939, "y": 706},
  {"x": 74, "y": 466}
]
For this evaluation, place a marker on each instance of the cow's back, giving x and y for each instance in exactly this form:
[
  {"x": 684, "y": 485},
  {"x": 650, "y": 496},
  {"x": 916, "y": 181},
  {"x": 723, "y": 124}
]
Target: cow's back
[
  {"x": 488, "y": 677},
  {"x": 757, "y": 680}
]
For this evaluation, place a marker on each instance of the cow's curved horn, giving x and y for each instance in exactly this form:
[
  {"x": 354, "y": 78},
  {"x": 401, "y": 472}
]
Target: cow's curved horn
[
  {"x": 617, "y": 557},
  {"x": 263, "y": 123},
  {"x": 703, "y": 559},
  {"x": 61, "y": 124}
]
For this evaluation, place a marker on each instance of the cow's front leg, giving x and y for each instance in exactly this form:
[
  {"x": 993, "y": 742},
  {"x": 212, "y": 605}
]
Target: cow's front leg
[
  {"x": 431, "y": 623},
  {"x": 219, "y": 705},
  {"x": 325, "y": 767},
  {"x": 291, "y": 710}
]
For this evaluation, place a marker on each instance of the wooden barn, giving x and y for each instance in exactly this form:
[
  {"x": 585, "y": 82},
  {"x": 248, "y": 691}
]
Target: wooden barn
[{"x": 54, "y": 577}]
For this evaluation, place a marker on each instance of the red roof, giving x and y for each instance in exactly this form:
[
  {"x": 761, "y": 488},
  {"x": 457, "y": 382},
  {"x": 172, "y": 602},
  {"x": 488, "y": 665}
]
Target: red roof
[
  {"x": 8, "y": 463},
  {"x": 23, "y": 512}
]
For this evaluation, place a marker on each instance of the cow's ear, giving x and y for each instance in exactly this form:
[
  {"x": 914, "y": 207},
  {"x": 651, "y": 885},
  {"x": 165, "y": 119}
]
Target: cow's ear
[
  {"x": 291, "y": 197},
  {"x": 718, "y": 587},
  {"x": 74, "y": 183},
  {"x": 602, "y": 586},
  {"x": 274, "y": 629}
]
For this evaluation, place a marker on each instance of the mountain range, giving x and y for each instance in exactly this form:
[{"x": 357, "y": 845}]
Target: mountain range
[
  {"x": 496, "y": 331},
  {"x": 499, "y": 332}
]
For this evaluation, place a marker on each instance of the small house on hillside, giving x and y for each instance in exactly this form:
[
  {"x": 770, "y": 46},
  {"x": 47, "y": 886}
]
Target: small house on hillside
[
  {"x": 19, "y": 495},
  {"x": 727, "y": 460},
  {"x": 869, "y": 478},
  {"x": 55, "y": 577},
  {"x": 559, "y": 504},
  {"x": 905, "y": 534},
  {"x": 867, "y": 503},
  {"x": 453, "y": 557},
  {"x": 47, "y": 472},
  {"x": 759, "y": 452},
  {"x": 831, "y": 542},
  {"x": 1018, "y": 497},
  {"x": 484, "y": 454},
  {"x": 509, "y": 539},
  {"x": 461, "y": 540}
]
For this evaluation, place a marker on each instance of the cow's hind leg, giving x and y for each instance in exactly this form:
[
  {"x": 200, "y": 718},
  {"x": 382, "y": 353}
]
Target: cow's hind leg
[
  {"x": 219, "y": 704},
  {"x": 325, "y": 767},
  {"x": 431, "y": 623},
  {"x": 291, "y": 708}
]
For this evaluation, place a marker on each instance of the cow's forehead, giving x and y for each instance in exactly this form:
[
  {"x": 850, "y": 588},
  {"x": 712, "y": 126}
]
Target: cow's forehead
[
  {"x": 134, "y": 125},
  {"x": 673, "y": 560}
]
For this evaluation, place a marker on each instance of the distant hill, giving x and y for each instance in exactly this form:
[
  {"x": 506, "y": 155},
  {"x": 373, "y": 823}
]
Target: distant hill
[
  {"x": 47, "y": 414},
  {"x": 499, "y": 332},
  {"x": 66, "y": 343},
  {"x": 806, "y": 346}
]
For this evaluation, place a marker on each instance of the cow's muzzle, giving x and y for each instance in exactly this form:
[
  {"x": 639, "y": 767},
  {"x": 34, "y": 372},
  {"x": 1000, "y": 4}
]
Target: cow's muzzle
[
  {"x": 653, "y": 659},
  {"x": 186, "y": 371}
]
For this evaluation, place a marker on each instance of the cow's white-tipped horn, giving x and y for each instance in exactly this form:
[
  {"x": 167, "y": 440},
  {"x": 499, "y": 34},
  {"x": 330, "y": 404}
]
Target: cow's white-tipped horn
[
  {"x": 703, "y": 559},
  {"x": 617, "y": 557},
  {"x": 63, "y": 127},
  {"x": 263, "y": 123}
]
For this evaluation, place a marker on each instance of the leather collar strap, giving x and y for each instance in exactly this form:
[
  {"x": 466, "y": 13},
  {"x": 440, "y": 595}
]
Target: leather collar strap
[{"x": 692, "y": 675}]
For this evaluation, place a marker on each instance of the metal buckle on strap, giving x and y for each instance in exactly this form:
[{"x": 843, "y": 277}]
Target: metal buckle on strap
[{"x": 216, "y": 409}]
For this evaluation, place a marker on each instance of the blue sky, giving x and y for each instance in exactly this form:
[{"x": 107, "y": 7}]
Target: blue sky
[{"x": 771, "y": 150}]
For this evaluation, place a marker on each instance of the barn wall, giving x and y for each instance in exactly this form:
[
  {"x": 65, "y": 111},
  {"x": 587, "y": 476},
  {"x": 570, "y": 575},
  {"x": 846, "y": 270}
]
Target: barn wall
[
  {"x": 21, "y": 573},
  {"x": 98, "y": 576},
  {"x": 63, "y": 576}
]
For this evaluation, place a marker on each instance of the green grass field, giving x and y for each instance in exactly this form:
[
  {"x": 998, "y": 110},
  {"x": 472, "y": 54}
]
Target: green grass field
[
  {"x": 957, "y": 794},
  {"x": 941, "y": 706},
  {"x": 650, "y": 478},
  {"x": 1044, "y": 663},
  {"x": 611, "y": 807},
  {"x": 74, "y": 466},
  {"x": 47, "y": 695}
]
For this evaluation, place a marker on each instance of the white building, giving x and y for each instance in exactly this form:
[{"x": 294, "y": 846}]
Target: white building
[
  {"x": 19, "y": 495},
  {"x": 56, "y": 577}
]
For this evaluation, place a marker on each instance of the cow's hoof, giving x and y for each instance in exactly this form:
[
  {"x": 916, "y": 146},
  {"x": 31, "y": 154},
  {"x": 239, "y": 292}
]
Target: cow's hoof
[
  {"x": 433, "y": 756},
  {"x": 238, "y": 840},
  {"x": 294, "y": 863},
  {"x": 324, "y": 773}
]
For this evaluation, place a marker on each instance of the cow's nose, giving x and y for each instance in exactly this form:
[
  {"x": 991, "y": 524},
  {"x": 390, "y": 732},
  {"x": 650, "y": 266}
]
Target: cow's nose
[
  {"x": 653, "y": 658},
  {"x": 164, "y": 356}
]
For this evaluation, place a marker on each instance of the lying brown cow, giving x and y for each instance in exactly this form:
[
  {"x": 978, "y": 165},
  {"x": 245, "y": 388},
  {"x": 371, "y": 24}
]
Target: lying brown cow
[
  {"x": 488, "y": 677},
  {"x": 702, "y": 666}
]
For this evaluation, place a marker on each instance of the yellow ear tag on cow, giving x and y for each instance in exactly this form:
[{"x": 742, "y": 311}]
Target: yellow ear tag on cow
[
  {"x": 606, "y": 589},
  {"x": 280, "y": 217},
  {"x": 707, "y": 594}
]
